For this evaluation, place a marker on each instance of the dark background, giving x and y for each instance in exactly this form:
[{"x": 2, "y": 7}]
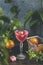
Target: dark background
[{"x": 24, "y": 6}]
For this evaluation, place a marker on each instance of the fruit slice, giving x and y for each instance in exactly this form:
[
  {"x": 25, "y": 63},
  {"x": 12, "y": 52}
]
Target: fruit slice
[
  {"x": 34, "y": 40},
  {"x": 39, "y": 48}
]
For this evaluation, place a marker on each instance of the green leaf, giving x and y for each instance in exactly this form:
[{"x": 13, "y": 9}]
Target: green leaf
[
  {"x": 14, "y": 27},
  {"x": 8, "y": 1},
  {"x": 4, "y": 18},
  {"x": 18, "y": 23},
  {"x": 0, "y": 63},
  {"x": 6, "y": 62},
  {"x": 6, "y": 54},
  {"x": 29, "y": 15},
  {"x": 41, "y": 15},
  {"x": 14, "y": 9},
  {"x": 16, "y": 20},
  {"x": 1, "y": 10},
  {"x": 5, "y": 39},
  {"x": 34, "y": 55},
  {"x": 33, "y": 22},
  {"x": 11, "y": 21},
  {"x": 1, "y": 22}
]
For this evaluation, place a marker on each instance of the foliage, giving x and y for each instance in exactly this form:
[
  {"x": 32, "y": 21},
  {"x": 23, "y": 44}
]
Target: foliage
[
  {"x": 1, "y": 10},
  {"x": 8, "y": 1},
  {"x": 14, "y": 10},
  {"x": 35, "y": 55},
  {"x": 3, "y": 51},
  {"x": 4, "y": 55},
  {"x": 34, "y": 17},
  {"x": 7, "y": 27}
]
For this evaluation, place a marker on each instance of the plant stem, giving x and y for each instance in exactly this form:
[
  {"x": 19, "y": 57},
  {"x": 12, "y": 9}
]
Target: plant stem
[
  {"x": 6, "y": 62},
  {"x": 40, "y": 22}
]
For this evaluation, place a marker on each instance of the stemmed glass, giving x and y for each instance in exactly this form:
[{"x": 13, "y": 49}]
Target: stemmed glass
[{"x": 21, "y": 36}]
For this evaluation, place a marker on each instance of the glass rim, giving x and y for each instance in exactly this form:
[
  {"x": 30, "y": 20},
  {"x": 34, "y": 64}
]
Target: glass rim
[
  {"x": 33, "y": 37},
  {"x": 20, "y": 30}
]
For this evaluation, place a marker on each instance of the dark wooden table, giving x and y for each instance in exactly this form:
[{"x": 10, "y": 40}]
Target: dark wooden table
[
  {"x": 15, "y": 51},
  {"x": 26, "y": 62}
]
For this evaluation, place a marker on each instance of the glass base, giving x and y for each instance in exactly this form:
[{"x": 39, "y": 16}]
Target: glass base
[{"x": 21, "y": 56}]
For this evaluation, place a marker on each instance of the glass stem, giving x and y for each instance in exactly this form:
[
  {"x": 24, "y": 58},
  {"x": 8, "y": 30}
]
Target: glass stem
[{"x": 21, "y": 47}]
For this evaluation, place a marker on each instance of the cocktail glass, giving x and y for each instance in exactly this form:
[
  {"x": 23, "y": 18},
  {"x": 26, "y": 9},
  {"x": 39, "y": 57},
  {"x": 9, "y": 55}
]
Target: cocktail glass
[{"x": 21, "y": 36}]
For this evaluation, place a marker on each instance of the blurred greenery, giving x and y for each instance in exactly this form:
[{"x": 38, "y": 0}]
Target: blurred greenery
[
  {"x": 1, "y": 11},
  {"x": 14, "y": 10},
  {"x": 4, "y": 54},
  {"x": 7, "y": 27},
  {"x": 34, "y": 17},
  {"x": 35, "y": 55},
  {"x": 8, "y": 1}
]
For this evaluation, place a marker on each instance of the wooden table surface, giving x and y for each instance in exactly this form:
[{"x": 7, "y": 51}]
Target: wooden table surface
[{"x": 26, "y": 62}]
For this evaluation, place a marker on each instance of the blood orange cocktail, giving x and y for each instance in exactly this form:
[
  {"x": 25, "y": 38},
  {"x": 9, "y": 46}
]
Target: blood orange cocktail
[{"x": 21, "y": 36}]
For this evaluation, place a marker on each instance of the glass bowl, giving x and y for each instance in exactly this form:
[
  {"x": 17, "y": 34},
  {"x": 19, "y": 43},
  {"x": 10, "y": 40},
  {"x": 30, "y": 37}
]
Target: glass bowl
[{"x": 34, "y": 42}]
